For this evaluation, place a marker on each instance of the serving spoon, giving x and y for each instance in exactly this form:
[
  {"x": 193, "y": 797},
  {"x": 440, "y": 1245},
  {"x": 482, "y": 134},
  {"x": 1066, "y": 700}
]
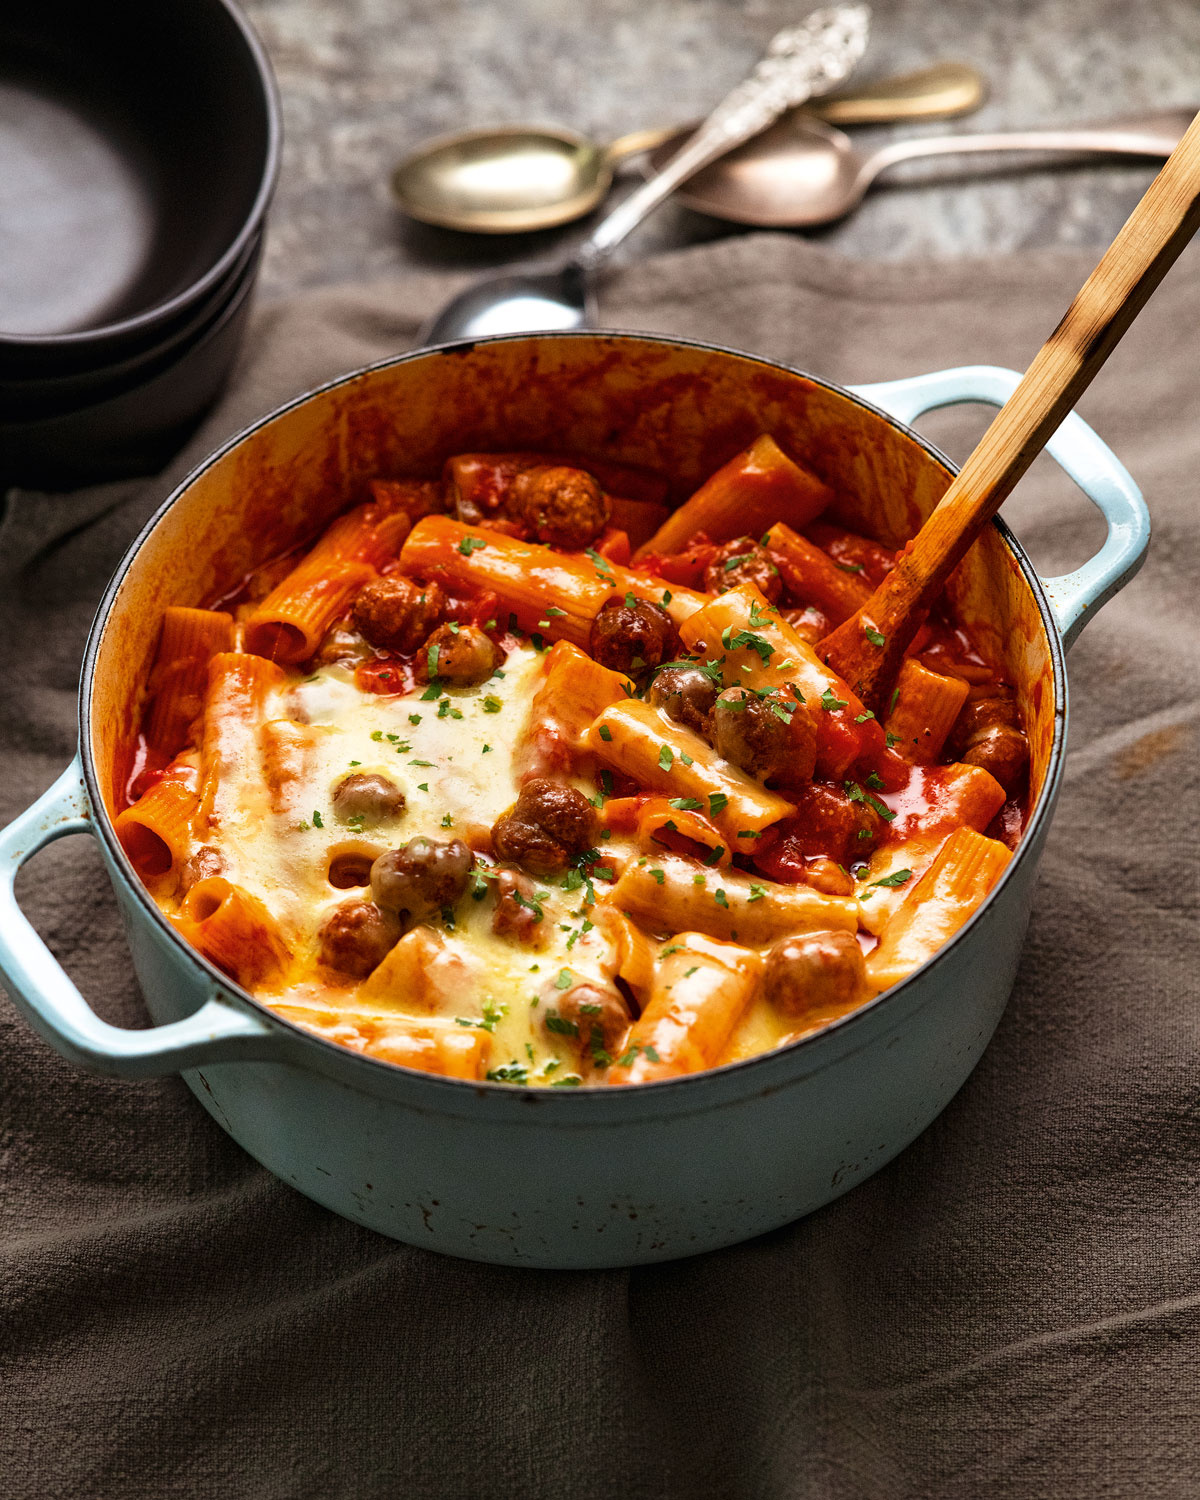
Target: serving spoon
[
  {"x": 800, "y": 62},
  {"x": 518, "y": 178},
  {"x": 868, "y": 648},
  {"x": 802, "y": 171}
]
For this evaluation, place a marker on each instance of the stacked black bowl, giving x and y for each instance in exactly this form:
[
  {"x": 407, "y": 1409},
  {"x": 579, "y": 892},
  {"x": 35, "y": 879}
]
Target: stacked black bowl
[{"x": 139, "y": 146}]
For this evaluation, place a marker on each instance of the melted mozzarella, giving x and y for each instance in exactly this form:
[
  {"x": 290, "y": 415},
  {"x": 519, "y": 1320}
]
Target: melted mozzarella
[{"x": 455, "y": 759}]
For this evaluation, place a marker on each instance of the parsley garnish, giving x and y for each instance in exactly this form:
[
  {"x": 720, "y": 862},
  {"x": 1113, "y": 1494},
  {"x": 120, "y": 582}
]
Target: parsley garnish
[
  {"x": 685, "y": 804},
  {"x": 831, "y": 704},
  {"x": 563, "y": 982},
  {"x": 874, "y": 636},
  {"x": 657, "y": 875},
  {"x": 492, "y": 705},
  {"x": 666, "y": 758},
  {"x": 717, "y": 803},
  {"x": 470, "y": 544},
  {"x": 864, "y": 716},
  {"x": 748, "y": 640},
  {"x": 605, "y": 733},
  {"x": 898, "y": 878},
  {"x": 318, "y": 821},
  {"x": 721, "y": 899},
  {"x": 555, "y": 1022}
]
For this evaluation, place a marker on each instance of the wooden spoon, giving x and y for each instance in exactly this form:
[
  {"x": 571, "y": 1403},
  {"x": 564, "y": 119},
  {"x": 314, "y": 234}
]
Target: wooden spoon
[{"x": 868, "y": 648}]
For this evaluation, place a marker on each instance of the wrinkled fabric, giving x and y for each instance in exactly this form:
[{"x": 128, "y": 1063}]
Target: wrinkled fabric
[{"x": 1009, "y": 1309}]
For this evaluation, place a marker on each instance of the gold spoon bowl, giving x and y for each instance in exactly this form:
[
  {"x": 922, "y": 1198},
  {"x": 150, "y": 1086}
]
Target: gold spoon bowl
[{"x": 513, "y": 179}]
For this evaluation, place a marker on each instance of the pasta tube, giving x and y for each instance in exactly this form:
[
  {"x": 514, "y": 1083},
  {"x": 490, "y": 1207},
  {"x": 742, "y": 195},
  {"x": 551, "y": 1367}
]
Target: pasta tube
[
  {"x": 952, "y": 889},
  {"x": 156, "y": 832},
  {"x": 664, "y": 756},
  {"x": 813, "y": 576},
  {"x": 234, "y": 930},
  {"x": 557, "y": 594},
  {"x": 576, "y": 688},
  {"x": 760, "y": 486},
  {"x": 925, "y": 707},
  {"x": 234, "y": 709},
  {"x": 676, "y": 895},
  {"x": 190, "y": 639},
  {"x": 700, "y": 990},
  {"x": 292, "y": 620},
  {"x": 419, "y": 973}
]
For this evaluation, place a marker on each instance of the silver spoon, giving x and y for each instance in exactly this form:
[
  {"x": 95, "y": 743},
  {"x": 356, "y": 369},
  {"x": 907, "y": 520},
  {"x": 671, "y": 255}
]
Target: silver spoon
[
  {"x": 802, "y": 172},
  {"x": 512, "y": 179},
  {"x": 801, "y": 61}
]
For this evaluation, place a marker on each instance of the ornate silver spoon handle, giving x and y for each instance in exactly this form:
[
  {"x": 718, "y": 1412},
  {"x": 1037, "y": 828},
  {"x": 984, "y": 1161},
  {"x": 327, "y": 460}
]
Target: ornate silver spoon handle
[{"x": 801, "y": 61}]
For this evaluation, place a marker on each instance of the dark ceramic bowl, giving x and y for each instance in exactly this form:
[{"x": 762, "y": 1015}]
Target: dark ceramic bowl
[{"x": 141, "y": 147}]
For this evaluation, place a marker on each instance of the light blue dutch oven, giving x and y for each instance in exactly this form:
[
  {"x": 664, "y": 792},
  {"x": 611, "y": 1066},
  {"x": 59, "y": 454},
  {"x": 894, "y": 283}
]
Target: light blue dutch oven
[{"x": 563, "y": 1178}]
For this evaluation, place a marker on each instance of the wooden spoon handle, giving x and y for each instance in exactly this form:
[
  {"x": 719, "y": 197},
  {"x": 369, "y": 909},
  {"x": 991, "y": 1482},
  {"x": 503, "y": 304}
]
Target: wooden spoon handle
[{"x": 867, "y": 649}]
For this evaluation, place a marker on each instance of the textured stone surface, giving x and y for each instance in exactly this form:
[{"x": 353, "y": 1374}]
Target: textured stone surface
[{"x": 365, "y": 80}]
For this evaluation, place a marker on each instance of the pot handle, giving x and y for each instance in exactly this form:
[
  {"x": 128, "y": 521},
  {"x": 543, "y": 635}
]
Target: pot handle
[
  {"x": 1089, "y": 461},
  {"x": 219, "y": 1031}
]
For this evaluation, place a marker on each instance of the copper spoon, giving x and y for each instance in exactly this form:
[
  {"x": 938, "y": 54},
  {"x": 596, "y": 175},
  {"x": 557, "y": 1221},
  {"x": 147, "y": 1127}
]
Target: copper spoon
[
  {"x": 516, "y": 178},
  {"x": 868, "y": 648},
  {"x": 802, "y": 172}
]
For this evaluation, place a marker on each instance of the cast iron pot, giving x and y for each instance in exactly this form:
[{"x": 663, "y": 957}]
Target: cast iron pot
[{"x": 563, "y": 1177}]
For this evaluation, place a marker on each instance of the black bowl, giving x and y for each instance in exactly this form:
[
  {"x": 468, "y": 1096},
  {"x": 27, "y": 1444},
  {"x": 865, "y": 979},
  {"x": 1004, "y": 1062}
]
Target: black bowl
[
  {"x": 141, "y": 146},
  {"x": 133, "y": 422}
]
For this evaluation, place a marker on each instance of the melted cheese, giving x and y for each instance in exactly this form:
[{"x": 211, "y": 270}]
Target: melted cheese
[{"x": 454, "y": 758}]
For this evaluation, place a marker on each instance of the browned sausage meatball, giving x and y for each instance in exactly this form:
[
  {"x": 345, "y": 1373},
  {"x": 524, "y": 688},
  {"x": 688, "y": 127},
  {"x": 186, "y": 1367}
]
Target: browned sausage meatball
[
  {"x": 396, "y": 613},
  {"x": 340, "y": 645},
  {"x": 421, "y": 878},
  {"x": 549, "y": 823},
  {"x": 205, "y": 862},
  {"x": 631, "y": 634},
  {"x": 356, "y": 937},
  {"x": 743, "y": 561},
  {"x": 687, "y": 695},
  {"x": 1003, "y": 751},
  {"x": 988, "y": 734},
  {"x": 817, "y": 971},
  {"x": 368, "y": 797},
  {"x": 517, "y": 915},
  {"x": 561, "y": 506},
  {"x": 773, "y": 738},
  {"x": 461, "y": 654},
  {"x": 594, "y": 1014}
]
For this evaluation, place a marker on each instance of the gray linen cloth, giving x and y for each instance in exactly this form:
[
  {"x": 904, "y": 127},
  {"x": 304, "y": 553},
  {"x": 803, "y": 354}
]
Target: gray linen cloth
[{"x": 1011, "y": 1308}]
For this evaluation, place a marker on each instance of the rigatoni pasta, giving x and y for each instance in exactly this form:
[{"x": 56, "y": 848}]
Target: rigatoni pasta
[{"x": 520, "y": 776}]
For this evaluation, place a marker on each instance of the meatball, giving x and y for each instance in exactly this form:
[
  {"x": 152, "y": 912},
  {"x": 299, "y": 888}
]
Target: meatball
[
  {"x": 356, "y": 937},
  {"x": 340, "y": 645},
  {"x": 517, "y": 915},
  {"x": 743, "y": 561},
  {"x": 547, "y": 826},
  {"x": 461, "y": 654},
  {"x": 827, "y": 821},
  {"x": 1002, "y": 751},
  {"x": 595, "y": 1014},
  {"x": 817, "y": 971},
  {"x": 205, "y": 862},
  {"x": 367, "y": 797},
  {"x": 561, "y": 506},
  {"x": 686, "y": 694},
  {"x": 422, "y": 877},
  {"x": 397, "y": 614},
  {"x": 630, "y": 634},
  {"x": 772, "y": 738},
  {"x": 988, "y": 734}
]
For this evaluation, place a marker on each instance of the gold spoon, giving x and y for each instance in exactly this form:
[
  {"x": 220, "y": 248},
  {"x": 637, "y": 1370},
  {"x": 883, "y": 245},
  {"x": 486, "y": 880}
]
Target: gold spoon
[
  {"x": 518, "y": 178},
  {"x": 802, "y": 172}
]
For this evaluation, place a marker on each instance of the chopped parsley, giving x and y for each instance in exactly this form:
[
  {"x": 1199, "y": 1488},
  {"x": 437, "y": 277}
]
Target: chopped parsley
[
  {"x": 447, "y": 821},
  {"x": 666, "y": 758},
  {"x": 657, "y": 876},
  {"x": 717, "y": 803},
  {"x": 899, "y": 877},
  {"x": 850, "y": 567},
  {"x": 434, "y": 690},
  {"x": 560, "y": 1024},
  {"x": 721, "y": 899},
  {"x": 563, "y": 982},
  {"x": 492, "y": 705},
  {"x": 864, "y": 716},
  {"x": 513, "y": 1072},
  {"x": 605, "y": 733},
  {"x": 856, "y": 794},
  {"x": 748, "y": 640},
  {"x": 831, "y": 704},
  {"x": 874, "y": 636},
  {"x": 470, "y": 544},
  {"x": 318, "y": 821},
  {"x": 685, "y": 804},
  {"x": 414, "y": 718}
]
